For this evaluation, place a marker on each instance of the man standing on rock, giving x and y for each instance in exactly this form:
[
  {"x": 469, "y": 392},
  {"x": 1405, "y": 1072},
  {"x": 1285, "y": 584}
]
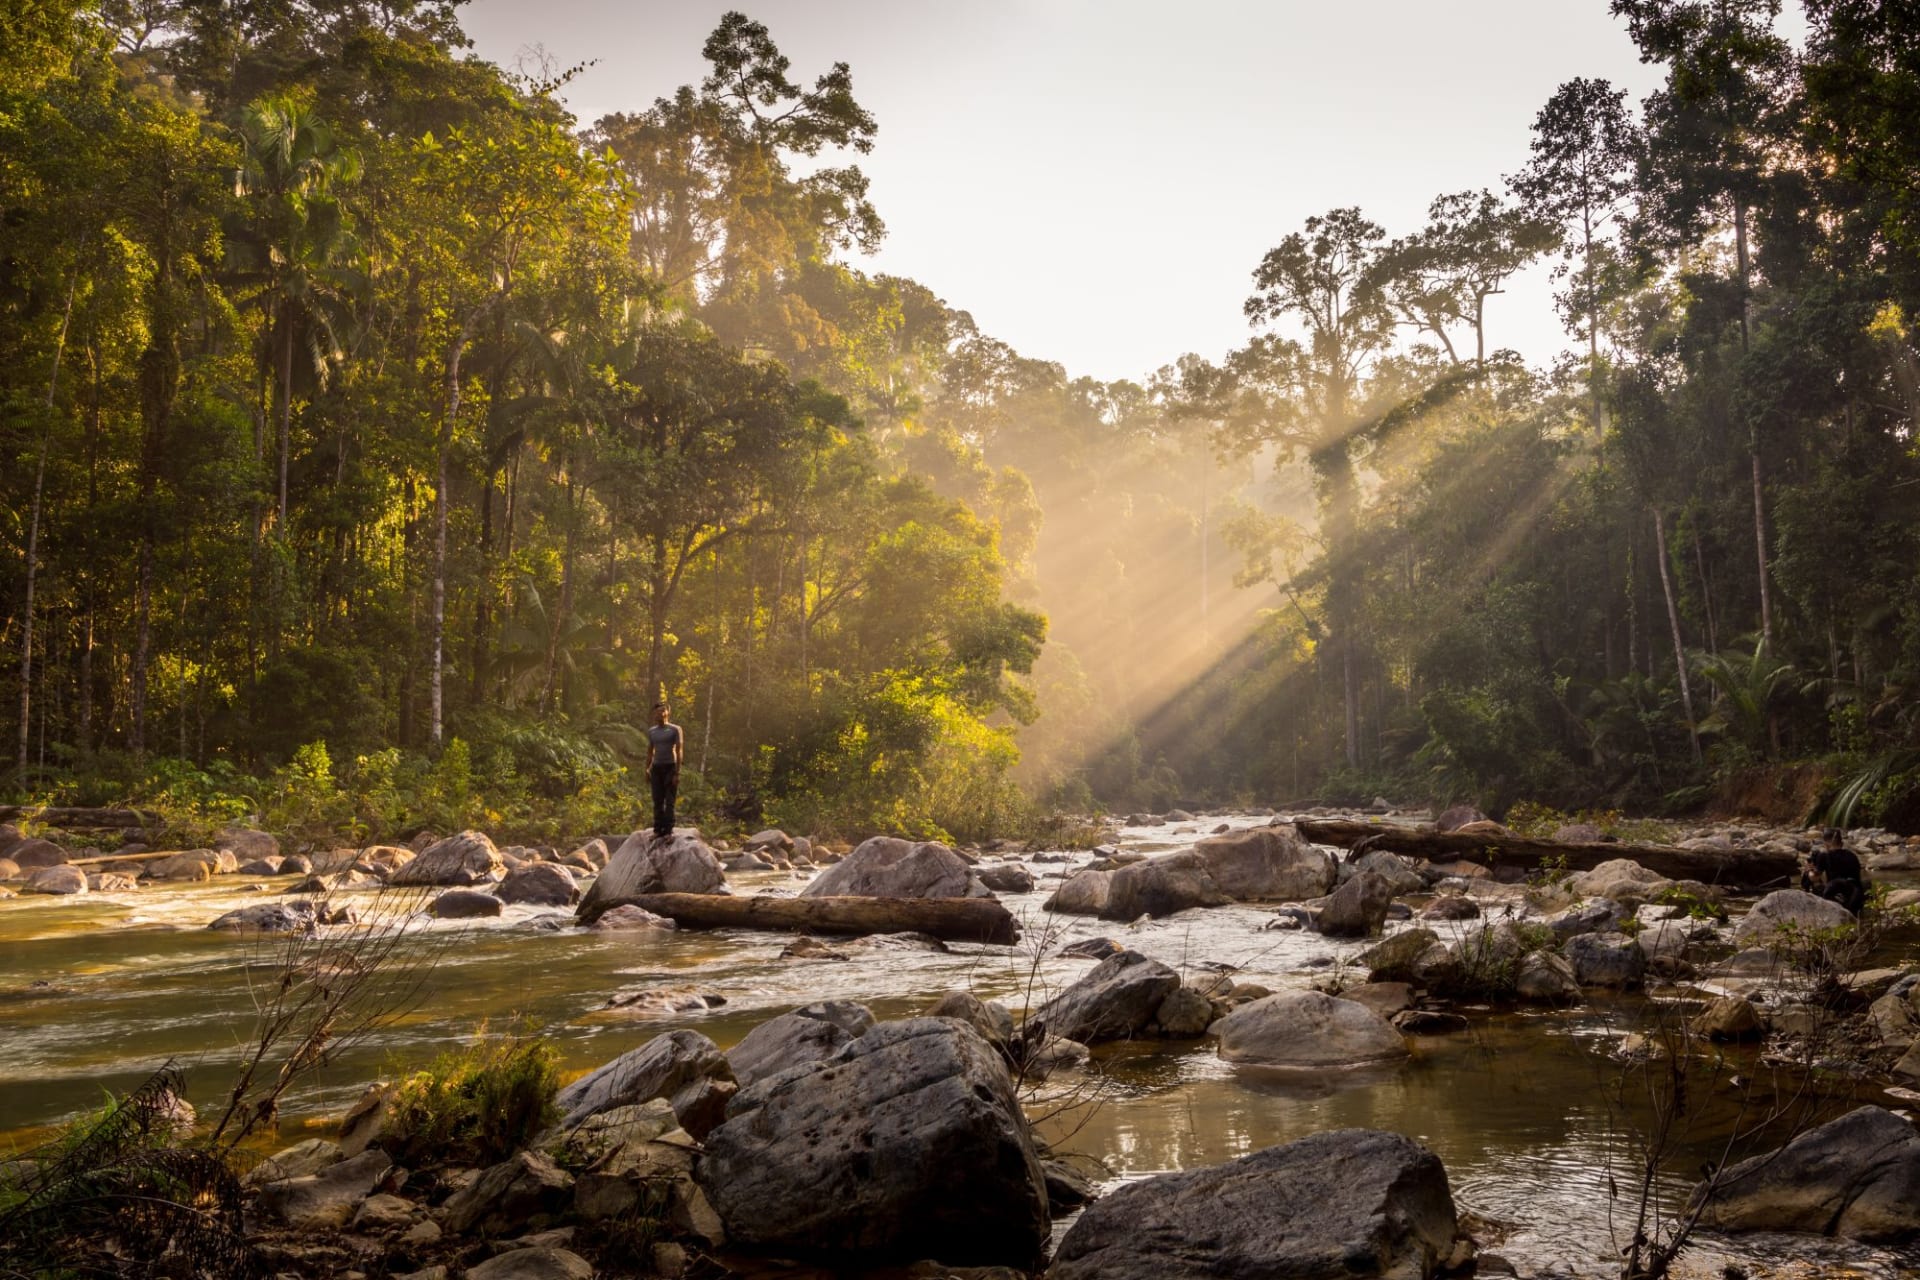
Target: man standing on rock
[
  {"x": 666, "y": 745},
  {"x": 1834, "y": 873}
]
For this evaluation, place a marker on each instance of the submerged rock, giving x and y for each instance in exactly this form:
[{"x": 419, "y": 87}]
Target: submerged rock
[
  {"x": 888, "y": 867},
  {"x": 1307, "y": 1029},
  {"x": 1858, "y": 1177},
  {"x": 907, "y": 1143},
  {"x": 1345, "y": 1204}
]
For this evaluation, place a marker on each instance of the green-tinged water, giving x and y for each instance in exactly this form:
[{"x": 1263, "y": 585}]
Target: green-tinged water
[{"x": 1517, "y": 1109}]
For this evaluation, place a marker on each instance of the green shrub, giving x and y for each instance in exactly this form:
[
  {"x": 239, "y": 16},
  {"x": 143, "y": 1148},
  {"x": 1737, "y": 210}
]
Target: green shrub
[{"x": 479, "y": 1104}]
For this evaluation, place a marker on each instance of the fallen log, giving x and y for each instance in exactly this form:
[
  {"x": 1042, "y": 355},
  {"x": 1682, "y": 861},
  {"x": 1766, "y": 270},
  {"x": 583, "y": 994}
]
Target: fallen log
[
  {"x": 70, "y": 819},
  {"x": 949, "y": 919},
  {"x": 1729, "y": 868}
]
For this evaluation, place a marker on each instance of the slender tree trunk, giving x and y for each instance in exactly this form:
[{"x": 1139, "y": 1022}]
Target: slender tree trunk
[
  {"x": 550, "y": 683},
  {"x": 285, "y": 372},
  {"x": 1673, "y": 621},
  {"x": 436, "y": 729},
  {"x": 1753, "y": 434},
  {"x": 33, "y": 533},
  {"x": 1706, "y": 593}
]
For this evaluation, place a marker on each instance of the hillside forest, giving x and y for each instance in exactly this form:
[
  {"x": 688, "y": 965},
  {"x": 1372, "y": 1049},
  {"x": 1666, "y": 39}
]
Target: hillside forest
[{"x": 378, "y": 441}]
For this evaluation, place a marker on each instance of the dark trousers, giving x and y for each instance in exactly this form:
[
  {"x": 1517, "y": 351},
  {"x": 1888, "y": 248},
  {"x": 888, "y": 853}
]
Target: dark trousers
[{"x": 666, "y": 790}]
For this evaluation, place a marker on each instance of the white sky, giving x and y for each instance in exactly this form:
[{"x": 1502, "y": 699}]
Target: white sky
[{"x": 1095, "y": 180}]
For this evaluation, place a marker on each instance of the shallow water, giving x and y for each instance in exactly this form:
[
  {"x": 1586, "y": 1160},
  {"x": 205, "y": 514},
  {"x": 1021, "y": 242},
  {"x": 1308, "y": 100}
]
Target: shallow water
[{"x": 1517, "y": 1109}]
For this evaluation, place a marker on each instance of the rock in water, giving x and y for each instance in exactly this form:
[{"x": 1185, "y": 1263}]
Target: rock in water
[
  {"x": 1606, "y": 960},
  {"x": 32, "y": 855},
  {"x": 1858, "y": 1177},
  {"x": 1008, "y": 877},
  {"x": 60, "y": 880},
  {"x": 1083, "y": 894},
  {"x": 456, "y": 862},
  {"x": 1307, "y": 1029},
  {"x": 464, "y": 904},
  {"x": 545, "y": 884},
  {"x": 888, "y": 867},
  {"x": 246, "y": 844},
  {"x": 1115, "y": 1000},
  {"x": 1788, "y": 912},
  {"x": 808, "y": 1034},
  {"x": 659, "y": 1068},
  {"x": 1357, "y": 908},
  {"x": 298, "y": 916},
  {"x": 1336, "y": 1206},
  {"x": 681, "y": 863},
  {"x": 906, "y": 1144},
  {"x": 1161, "y": 886},
  {"x": 1266, "y": 864}
]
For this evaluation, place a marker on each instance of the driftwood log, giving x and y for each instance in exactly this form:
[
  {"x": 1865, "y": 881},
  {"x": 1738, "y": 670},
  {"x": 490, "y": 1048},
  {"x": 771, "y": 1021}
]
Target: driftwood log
[
  {"x": 1731, "y": 868},
  {"x": 81, "y": 819},
  {"x": 949, "y": 919}
]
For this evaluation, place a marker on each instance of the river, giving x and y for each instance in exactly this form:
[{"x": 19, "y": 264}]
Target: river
[{"x": 96, "y": 991}]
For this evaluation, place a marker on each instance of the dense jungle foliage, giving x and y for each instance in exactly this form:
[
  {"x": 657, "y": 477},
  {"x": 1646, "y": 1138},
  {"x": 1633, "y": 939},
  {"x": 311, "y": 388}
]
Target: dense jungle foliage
[{"x": 379, "y": 441}]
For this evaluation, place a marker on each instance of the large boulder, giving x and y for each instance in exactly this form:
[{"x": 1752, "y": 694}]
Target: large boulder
[
  {"x": 1083, "y": 894},
  {"x": 681, "y": 863},
  {"x": 660, "y": 1068},
  {"x": 1357, "y": 908},
  {"x": 1115, "y": 1000},
  {"x": 296, "y": 916},
  {"x": 326, "y": 1199},
  {"x": 1161, "y": 886},
  {"x": 33, "y": 854},
  {"x": 246, "y": 844},
  {"x": 1622, "y": 879},
  {"x": 544, "y": 884},
  {"x": 464, "y": 904},
  {"x": 458, "y": 861},
  {"x": 1339, "y": 1205},
  {"x": 1606, "y": 960},
  {"x": 1858, "y": 1177},
  {"x": 1547, "y": 978},
  {"x": 60, "y": 880},
  {"x": 1307, "y": 1029},
  {"x": 1266, "y": 864},
  {"x": 1399, "y": 873},
  {"x": 908, "y": 1143},
  {"x": 808, "y": 1034},
  {"x": 889, "y": 867},
  {"x": 1788, "y": 912}
]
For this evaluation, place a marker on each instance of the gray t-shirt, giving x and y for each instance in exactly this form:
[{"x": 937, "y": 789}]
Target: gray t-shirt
[{"x": 664, "y": 737}]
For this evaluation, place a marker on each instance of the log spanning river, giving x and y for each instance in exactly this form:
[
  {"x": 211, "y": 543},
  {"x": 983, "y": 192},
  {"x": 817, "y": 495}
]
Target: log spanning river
[{"x": 96, "y": 991}]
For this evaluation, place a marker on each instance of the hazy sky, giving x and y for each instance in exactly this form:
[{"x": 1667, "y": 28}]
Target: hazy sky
[{"x": 1095, "y": 180}]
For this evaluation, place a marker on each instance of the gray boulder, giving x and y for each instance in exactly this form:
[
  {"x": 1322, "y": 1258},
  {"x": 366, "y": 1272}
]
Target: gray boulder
[
  {"x": 544, "y": 884},
  {"x": 246, "y": 844},
  {"x": 1357, "y": 908},
  {"x": 1007, "y": 877},
  {"x": 35, "y": 853},
  {"x": 909, "y": 1143},
  {"x": 888, "y": 867},
  {"x": 992, "y": 1020},
  {"x": 325, "y": 1200},
  {"x": 1858, "y": 1177},
  {"x": 1787, "y": 912},
  {"x": 59, "y": 880},
  {"x": 1115, "y": 1000},
  {"x": 458, "y": 861},
  {"x": 1622, "y": 879},
  {"x": 659, "y": 1068},
  {"x": 1083, "y": 894},
  {"x": 1161, "y": 886},
  {"x": 1547, "y": 978},
  {"x": 1307, "y": 1029},
  {"x": 1606, "y": 960},
  {"x": 464, "y": 904},
  {"x": 1399, "y": 874},
  {"x": 524, "y": 1192},
  {"x": 1590, "y": 915},
  {"x": 1266, "y": 864},
  {"x": 1335, "y": 1206},
  {"x": 682, "y": 863},
  {"x": 295, "y": 916},
  {"x": 808, "y": 1034}
]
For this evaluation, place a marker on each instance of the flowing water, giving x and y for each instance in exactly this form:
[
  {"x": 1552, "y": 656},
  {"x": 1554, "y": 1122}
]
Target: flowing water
[{"x": 97, "y": 991}]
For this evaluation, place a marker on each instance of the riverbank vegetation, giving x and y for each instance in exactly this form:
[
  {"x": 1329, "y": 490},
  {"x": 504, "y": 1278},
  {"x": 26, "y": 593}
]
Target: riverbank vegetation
[{"x": 380, "y": 440}]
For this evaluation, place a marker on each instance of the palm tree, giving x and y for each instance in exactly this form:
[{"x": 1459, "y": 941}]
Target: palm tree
[{"x": 298, "y": 246}]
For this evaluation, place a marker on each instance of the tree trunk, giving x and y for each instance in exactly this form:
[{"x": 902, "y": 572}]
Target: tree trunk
[
  {"x": 549, "y": 682},
  {"x": 33, "y": 533},
  {"x": 1673, "y": 621},
  {"x": 285, "y": 372},
  {"x": 974, "y": 920},
  {"x": 436, "y": 728}
]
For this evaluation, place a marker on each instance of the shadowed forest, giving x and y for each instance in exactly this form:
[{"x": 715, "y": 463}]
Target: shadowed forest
[{"x": 380, "y": 441}]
